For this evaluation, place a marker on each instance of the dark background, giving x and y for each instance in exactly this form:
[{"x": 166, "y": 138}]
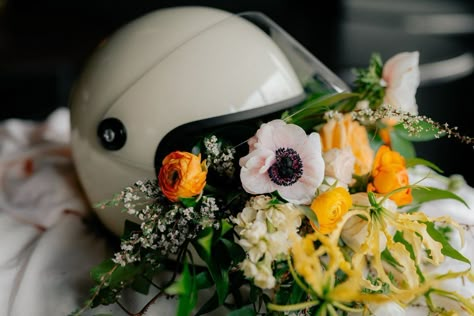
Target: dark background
[{"x": 43, "y": 46}]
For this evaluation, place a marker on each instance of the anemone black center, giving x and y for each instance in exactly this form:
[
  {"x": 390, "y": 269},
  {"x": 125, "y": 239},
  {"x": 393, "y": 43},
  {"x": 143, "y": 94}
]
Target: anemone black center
[{"x": 288, "y": 167}]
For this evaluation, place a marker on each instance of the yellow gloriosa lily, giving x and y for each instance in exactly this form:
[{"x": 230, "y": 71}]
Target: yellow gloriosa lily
[{"x": 318, "y": 259}]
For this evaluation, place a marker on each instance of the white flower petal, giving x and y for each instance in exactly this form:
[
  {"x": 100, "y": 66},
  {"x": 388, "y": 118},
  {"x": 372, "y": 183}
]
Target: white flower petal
[{"x": 402, "y": 75}]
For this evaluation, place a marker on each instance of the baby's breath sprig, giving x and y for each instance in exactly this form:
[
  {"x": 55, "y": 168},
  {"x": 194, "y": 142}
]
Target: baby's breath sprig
[
  {"x": 164, "y": 229},
  {"x": 410, "y": 122},
  {"x": 220, "y": 157}
]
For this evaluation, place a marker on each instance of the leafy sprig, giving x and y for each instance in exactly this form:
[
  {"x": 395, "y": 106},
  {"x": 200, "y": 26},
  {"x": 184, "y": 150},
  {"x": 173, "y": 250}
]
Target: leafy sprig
[{"x": 369, "y": 84}]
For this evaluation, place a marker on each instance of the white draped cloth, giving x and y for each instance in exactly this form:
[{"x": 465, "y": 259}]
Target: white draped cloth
[{"x": 48, "y": 246}]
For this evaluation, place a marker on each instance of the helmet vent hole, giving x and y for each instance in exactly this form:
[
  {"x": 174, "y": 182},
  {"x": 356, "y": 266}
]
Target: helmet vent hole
[{"x": 112, "y": 134}]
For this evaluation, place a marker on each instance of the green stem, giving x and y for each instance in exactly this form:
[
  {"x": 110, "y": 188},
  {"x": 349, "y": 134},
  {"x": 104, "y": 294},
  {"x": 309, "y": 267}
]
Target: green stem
[
  {"x": 347, "y": 308},
  {"x": 292, "y": 307},
  {"x": 296, "y": 277},
  {"x": 332, "y": 310},
  {"x": 465, "y": 302}
]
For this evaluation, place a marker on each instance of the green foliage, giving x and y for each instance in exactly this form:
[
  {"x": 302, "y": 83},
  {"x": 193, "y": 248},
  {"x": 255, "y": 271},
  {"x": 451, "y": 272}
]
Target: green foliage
[
  {"x": 375, "y": 141},
  {"x": 204, "y": 240},
  {"x": 425, "y": 131},
  {"x": 185, "y": 287},
  {"x": 220, "y": 253},
  {"x": 447, "y": 250},
  {"x": 387, "y": 257},
  {"x": 426, "y": 194},
  {"x": 309, "y": 213},
  {"x": 189, "y": 202},
  {"x": 218, "y": 270},
  {"x": 398, "y": 237},
  {"x": 411, "y": 162},
  {"x": 111, "y": 279},
  {"x": 402, "y": 145},
  {"x": 368, "y": 82},
  {"x": 310, "y": 113},
  {"x": 384, "y": 287},
  {"x": 244, "y": 311}
]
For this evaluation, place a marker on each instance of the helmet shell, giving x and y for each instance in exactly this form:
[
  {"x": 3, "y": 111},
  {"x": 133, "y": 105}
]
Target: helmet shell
[{"x": 166, "y": 69}]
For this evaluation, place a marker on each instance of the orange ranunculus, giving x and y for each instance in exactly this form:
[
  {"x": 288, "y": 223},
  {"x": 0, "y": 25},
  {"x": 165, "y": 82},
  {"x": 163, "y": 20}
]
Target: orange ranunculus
[
  {"x": 389, "y": 173},
  {"x": 349, "y": 133},
  {"x": 329, "y": 207},
  {"x": 182, "y": 175}
]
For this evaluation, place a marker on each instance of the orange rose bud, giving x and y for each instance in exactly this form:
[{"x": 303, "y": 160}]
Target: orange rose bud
[
  {"x": 182, "y": 175},
  {"x": 389, "y": 173},
  {"x": 329, "y": 207},
  {"x": 349, "y": 133}
]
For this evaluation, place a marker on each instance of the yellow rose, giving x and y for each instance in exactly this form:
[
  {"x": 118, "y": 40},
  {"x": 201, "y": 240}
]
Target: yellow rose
[
  {"x": 182, "y": 175},
  {"x": 389, "y": 173},
  {"x": 342, "y": 133},
  {"x": 329, "y": 207}
]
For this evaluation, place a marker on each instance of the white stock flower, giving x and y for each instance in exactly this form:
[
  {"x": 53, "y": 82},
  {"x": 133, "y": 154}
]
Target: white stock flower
[
  {"x": 339, "y": 164},
  {"x": 402, "y": 77},
  {"x": 260, "y": 272},
  {"x": 264, "y": 230}
]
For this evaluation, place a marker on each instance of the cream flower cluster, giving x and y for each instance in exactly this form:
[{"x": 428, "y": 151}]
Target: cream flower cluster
[{"x": 265, "y": 229}]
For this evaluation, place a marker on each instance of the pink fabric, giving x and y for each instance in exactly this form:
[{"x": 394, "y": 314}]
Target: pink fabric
[{"x": 46, "y": 246}]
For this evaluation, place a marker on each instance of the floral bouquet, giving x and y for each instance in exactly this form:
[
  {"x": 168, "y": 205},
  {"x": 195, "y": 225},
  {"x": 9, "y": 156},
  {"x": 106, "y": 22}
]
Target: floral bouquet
[{"x": 314, "y": 215}]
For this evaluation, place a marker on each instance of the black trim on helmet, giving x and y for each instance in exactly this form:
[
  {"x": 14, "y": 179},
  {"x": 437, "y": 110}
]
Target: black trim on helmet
[{"x": 237, "y": 128}]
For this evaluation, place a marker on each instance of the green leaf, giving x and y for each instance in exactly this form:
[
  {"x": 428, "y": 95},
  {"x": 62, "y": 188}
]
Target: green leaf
[
  {"x": 221, "y": 278},
  {"x": 308, "y": 212},
  {"x": 447, "y": 250},
  {"x": 387, "y": 257},
  {"x": 219, "y": 274},
  {"x": 100, "y": 270},
  {"x": 425, "y": 194},
  {"x": 398, "y": 237},
  {"x": 427, "y": 132},
  {"x": 402, "y": 145},
  {"x": 205, "y": 240},
  {"x": 203, "y": 280},
  {"x": 297, "y": 294},
  {"x": 119, "y": 275},
  {"x": 304, "y": 114},
  {"x": 182, "y": 285},
  {"x": 185, "y": 287},
  {"x": 188, "y": 202},
  {"x": 244, "y": 311},
  {"x": 225, "y": 227},
  {"x": 411, "y": 162},
  {"x": 236, "y": 252},
  {"x": 375, "y": 141}
]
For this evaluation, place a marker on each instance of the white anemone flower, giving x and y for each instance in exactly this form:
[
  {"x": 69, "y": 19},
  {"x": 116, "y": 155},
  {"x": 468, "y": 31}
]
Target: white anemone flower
[{"x": 283, "y": 158}]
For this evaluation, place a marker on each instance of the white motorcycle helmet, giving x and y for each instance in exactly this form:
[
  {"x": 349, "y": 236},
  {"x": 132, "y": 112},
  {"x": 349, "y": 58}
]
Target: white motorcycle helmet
[{"x": 170, "y": 74}]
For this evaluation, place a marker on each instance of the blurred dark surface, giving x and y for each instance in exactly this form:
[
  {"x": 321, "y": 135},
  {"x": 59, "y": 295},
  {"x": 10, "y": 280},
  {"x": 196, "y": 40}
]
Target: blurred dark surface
[{"x": 43, "y": 46}]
